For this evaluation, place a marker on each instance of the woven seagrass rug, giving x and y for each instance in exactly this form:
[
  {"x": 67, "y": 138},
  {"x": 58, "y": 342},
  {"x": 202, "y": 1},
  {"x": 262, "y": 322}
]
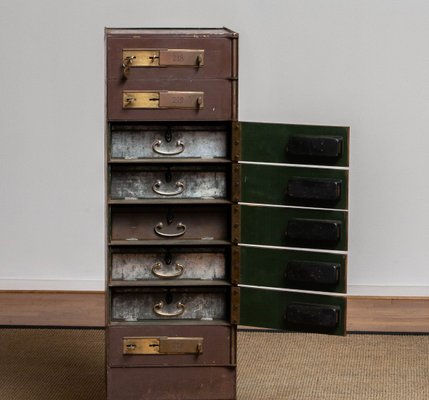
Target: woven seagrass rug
[{"x": 68, "y": 364}]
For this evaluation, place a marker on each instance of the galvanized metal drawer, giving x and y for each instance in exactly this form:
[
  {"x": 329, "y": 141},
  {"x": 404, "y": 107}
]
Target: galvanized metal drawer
[
  {"x": 170, "y": 345},
  {"x": 155, "y": 57},
  {"x": 169, "y": 182},
  {"x": 154, "y": 264},
  {"x": 145, "y": 304},
  {"x": 190, "y": 383},
  {"x": 170, "y": 100},
  {"x": 296, "y": 186},
  {"x": 162, "y": 223},
  {"x": 157, "y": 142},
  {"x": 293, "y": 227},
  {"x": 280, "y": 268}
]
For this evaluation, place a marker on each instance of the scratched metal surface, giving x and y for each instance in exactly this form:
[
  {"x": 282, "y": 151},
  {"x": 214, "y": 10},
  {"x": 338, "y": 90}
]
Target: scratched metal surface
[
  {"x": 200, "y": 142},
  {"x": 138, "y": 266},
  {"x": 139, "y": 305},
  {"x": 184, "y": 183}
]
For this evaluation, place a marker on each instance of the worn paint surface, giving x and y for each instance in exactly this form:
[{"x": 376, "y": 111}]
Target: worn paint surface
[
  {"x": 136, "y": 305},
  {"x": 183, "y": 183},
  {"x": 138, "y": 266},
  {"x": 200, "y": 142}
]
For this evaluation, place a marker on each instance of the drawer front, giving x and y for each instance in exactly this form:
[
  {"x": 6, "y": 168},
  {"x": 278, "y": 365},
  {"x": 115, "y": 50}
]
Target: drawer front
[
  {"x": 175, "y": 182},
  {"x": 292, "y": 227},
  {"x": 172, "y": 263},
  {"x": 132, "y": 305},
  {"x": 170, "y": 100},
  {"x": 190, "y": 383},
  {"x": 168, "y": 142},
  {"x": 201, "y": 345},
  {"x": 295, "y": 144},
  {"x": 293, "y": 269},
  {"x": 166, "y": 223},
  {"x": 309, "y": 187},
  {"x": 164, "y": 58},
  {"x": 292, "y": 311}
]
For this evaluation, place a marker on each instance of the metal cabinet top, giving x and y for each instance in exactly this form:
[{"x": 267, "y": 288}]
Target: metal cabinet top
[{"x": 179, "y": 32}]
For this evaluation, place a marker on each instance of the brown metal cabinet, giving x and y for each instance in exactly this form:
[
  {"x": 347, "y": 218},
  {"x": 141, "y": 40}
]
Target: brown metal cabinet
[{"x": 209, "y": 221}]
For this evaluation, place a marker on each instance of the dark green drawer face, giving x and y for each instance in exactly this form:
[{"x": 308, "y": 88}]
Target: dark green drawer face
[
  {"x": 292, "y": 227},
  {"x": 296, "y": 144},
  {"x": 292, "y": 311},
  {"x": 293, "y": 269},
  {"x": 310, "y": 187}
]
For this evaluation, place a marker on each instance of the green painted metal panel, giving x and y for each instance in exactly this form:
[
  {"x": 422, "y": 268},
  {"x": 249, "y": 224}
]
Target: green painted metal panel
[
  {"x": 268, "y": 142},
  {"x": 268, "y": 267},
  {"x": 268, "y": 226},
  {"x": 266, "y": 184},
  {"x": 268, "y": 309}
]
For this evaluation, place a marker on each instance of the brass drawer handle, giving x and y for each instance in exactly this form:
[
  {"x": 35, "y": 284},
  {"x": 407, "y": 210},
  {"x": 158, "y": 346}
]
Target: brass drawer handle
[
  {"x": 157, "y": 267},
  {"x": 162, "y": 99},
  {"x": 157, "y": 144},
  {"x": 160, "y": 226},
  {"x": 126, "y": 64},
  {"x": 180, "y": 188},
  {"x": 157, "y": 309}
]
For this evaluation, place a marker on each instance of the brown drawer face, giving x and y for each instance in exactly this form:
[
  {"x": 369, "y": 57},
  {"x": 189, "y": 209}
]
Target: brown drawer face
[
  {"x": 202, "y": 304},
  {"x": 163, "y": 58},
  {"x": 170, "y": 100},
  {"x": 190, "y": 383},
  {"x": 163, "y": 345},
  {"x": 165, "y": 182},
  {"x": 154, "y": 142},
  {"x": 155, "y": 264},
  {"x": 170, "y": 222}
]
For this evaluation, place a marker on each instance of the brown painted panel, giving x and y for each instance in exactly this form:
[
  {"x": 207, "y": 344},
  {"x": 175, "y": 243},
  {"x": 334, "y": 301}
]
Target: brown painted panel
[
  {"x": 185, "y": 222},
  {"x": 217, "y": 58},
  {"x": 217, "y": 106},
  {"x": 169, "y": 383},
  {"x": 216, "y": 345}
]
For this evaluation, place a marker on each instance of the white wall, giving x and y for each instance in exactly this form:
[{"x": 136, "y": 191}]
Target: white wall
[{"x": 362, "y": 63}]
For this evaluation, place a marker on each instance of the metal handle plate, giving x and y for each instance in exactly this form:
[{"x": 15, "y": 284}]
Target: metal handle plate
[
  {"x": 162, "y": 345},
  {"x": 157, "y": 267},
  {"x": 163, "y": 99},
  {"x": 180, "y": 188},
  {"x": 157, "y": 144},
  {"x": 163, "y": 57},
  {"x": 157, "y": 309},
  {"x": 179, "y": 226}
]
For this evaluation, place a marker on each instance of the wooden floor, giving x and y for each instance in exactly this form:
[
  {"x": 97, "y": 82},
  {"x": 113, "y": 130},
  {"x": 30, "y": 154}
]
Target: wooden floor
[{"x": 364, "y": 314}]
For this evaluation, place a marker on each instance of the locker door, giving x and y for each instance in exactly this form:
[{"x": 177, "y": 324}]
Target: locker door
[{"x": 293, "y": 232}]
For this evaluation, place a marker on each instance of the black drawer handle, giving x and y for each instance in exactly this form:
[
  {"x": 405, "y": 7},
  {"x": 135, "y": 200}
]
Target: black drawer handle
[
  {"x": 314, "y": 189},
  {"x": 313, "y": 315},
  {"x": 314, "y": 146},
  {"x": 312, "y": 272},
  {"x": 314, "y": 230}
]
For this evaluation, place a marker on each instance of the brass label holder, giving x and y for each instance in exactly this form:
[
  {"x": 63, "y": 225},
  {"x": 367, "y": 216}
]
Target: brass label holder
[
  {"x": 163, "y": 99},
  {"x": 162, "y": 58},
  {"x": 162, "y": 345}
]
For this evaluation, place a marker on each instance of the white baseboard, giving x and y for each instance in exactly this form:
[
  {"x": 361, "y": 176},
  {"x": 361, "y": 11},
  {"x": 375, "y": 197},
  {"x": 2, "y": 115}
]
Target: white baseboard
[
  {"x": 52, "y": 284},
  {"x": 98, "y": 285}
]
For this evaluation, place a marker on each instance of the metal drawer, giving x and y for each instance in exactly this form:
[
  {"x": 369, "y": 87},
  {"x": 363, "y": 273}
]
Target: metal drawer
[
  {"x": 166, "y": 264},
  {"x": 170, "y": 345},
  {"x": 145, "y": 304},
  {"x": 169, "y": 182},
  {"x": 170, "y": 100},
  {"x": 157, "y": 142},
  {"x": 170, "y": 222},
  {"x": 309, "y": 187},
  {"x": 293, "y": 227}
]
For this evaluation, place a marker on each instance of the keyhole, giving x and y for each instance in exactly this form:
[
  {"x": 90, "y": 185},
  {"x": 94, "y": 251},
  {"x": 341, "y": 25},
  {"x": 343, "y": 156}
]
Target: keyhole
[
  {"x": 168, "y": 297},
  {"x": 170, "y": 217},
  {"x": 168, "y": 175},
  {"x": 167, "y": 258},
  {"x": 154, "y": 345},
  {"x": 168, "y": 135}
]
